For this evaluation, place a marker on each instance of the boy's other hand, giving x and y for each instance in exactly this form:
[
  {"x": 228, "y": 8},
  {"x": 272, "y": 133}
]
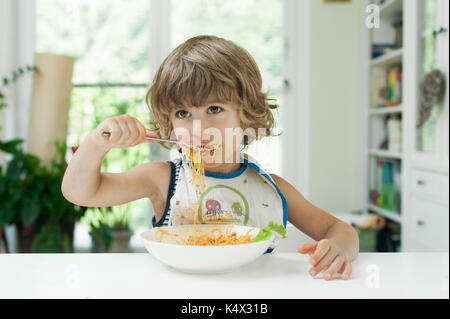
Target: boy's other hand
[
  {"x": 326, "y": 255},
  {"x": 125, "y": 131}
]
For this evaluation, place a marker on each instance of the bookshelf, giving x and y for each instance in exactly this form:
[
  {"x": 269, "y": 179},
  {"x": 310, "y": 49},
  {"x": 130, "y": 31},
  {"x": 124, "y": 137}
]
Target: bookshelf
[
  {"x": 383, "y": 112},
  {"x": 411, "y": 175}
]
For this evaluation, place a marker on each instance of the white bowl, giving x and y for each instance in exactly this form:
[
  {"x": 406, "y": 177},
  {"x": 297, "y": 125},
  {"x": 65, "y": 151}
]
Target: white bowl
[{"x": 203, "y": 259}]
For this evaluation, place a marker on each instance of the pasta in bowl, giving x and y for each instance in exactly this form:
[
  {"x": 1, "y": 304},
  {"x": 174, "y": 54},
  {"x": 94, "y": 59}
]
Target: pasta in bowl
[{"x": 207, "y": 248}]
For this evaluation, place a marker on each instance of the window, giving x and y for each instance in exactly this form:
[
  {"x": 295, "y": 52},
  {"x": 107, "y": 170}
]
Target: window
[{"x": 109, "y": 40}]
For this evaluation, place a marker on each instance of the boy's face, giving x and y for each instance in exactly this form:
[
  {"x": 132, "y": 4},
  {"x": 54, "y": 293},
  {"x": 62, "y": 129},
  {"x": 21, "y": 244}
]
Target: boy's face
[{"x": 215, "y": 123}]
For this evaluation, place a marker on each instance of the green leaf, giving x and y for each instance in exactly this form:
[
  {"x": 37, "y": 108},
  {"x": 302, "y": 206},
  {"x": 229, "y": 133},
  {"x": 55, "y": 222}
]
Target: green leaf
[
  {"x": 15, "y": 168},
  {"x": 13, "y": 146},
  {"x": 277, "y": 228},
  {"x": 66, "y": 246},
  {"x": 30, "y": 211},
  {"x": 33, "y": 163},
  {"x": 7, "y": 214},
  {"x": 102, "y": 232},
  {"x": 265, "y": 233},
  {"x": 47, "y": 240}
]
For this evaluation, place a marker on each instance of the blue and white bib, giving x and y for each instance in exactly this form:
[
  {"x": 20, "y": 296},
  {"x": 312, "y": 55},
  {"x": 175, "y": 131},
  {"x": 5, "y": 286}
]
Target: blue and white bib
[{"x": 246, "y": 197}]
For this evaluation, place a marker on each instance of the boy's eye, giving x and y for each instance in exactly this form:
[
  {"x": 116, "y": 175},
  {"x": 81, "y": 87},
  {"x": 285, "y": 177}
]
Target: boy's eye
[
  {"x": 214, "y": 109},
  {"x": 182, "y": 114}
]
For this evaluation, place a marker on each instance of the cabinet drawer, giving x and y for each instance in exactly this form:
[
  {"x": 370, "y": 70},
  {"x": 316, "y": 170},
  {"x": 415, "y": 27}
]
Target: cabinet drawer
[
  {"x": 429, "y": 225},
  {"x": 430, "y": 185}
]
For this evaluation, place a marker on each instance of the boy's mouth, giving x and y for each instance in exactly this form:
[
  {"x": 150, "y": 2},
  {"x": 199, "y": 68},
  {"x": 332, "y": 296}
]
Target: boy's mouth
[
  {"x": 207, "y": 149},
  {"x": 210, "y": 149}
]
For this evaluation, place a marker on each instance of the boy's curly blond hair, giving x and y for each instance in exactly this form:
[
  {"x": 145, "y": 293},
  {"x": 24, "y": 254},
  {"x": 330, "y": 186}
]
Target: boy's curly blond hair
[{"x": 208, "y": 66}]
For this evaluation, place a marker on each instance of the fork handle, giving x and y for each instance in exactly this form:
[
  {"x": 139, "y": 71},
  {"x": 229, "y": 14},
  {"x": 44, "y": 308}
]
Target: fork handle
[
  {"x": 157, "y": 139},
  {"x": 147, "y": 138}
]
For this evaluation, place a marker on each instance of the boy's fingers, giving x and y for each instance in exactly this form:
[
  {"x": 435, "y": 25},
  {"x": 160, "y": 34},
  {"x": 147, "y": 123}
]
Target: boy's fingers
[
  {"x": 125, "y": 133},
  {"x": 135, "y": 134},
  {"x": 323, "y": 246},
  {"x": 347, "y": 270},
  {"x": 334, "y": 267},
  {"x": 325, "y": 262},
  {"x": 114, "y": 131},
  {"x": 307, "y": 248},
  {"x": 151, "y": 134},
  {"x": 341, "y": 270},
  {"x": 141, "y": 134}
]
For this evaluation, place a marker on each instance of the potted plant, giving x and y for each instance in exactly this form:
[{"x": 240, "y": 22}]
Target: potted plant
[
  {"x": 16, "y": 74},
  {"x": 30, "y": 193},
  {"x": 31, "y": 199},
  {"x": 110, "y": 229}
]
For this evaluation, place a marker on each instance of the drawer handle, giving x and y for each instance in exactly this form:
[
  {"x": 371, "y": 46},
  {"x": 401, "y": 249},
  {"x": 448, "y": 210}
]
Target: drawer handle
[{"x": 421, "y": 182}]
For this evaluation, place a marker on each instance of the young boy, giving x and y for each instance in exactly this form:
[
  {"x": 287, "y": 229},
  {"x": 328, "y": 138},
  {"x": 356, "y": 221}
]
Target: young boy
[{"x": 208, "y": 86}]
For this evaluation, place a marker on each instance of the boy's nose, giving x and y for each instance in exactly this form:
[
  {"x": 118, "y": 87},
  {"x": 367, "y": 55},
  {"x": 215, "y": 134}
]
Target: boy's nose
[
  {"x": 199, "y": 129},
  {"x": 196, "y": 140}
]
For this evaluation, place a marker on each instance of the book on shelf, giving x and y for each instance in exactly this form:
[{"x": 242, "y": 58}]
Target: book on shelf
[
  {"x": 386, "y": 193},
  {"x": 386, "y": 86},
  {"x": 394, "y": 133},
  {"x": 393, "y": 86}
]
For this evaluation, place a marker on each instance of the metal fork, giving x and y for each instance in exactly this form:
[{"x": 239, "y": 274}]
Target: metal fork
[{"x": 163, "y": 140}]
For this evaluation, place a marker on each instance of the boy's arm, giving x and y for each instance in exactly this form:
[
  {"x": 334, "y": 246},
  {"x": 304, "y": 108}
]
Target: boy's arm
[
  {"x": 84, "y": 183},
  {"x": 317, "y": 223}
]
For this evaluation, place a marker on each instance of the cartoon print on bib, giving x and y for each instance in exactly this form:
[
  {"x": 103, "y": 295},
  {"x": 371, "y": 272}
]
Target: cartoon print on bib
[
  {"x": 247, "y": 197},
  {"x": 223, "y": 204}
]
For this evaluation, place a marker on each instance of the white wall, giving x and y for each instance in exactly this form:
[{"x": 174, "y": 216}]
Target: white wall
[
  {"x": 17, "y": 45},
  {"x": 17, "y": 38},
  {"x": 334, "y": 114},
  {"x": 3, "y": 45},
  {"x": 10, "y": 233}
]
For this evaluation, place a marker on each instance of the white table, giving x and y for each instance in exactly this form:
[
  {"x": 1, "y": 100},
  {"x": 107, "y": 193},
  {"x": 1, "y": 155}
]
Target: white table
[{"x": 283, "y": 275}]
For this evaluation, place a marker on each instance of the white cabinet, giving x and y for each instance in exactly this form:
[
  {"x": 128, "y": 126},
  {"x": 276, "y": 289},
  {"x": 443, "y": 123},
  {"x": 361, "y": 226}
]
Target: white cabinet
[
  {"x": 426, "y": 198},
  {"x": 426, "y": 226},
  {"x": 429, "y": 185},
  {"x": 426, "y": 221}
]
